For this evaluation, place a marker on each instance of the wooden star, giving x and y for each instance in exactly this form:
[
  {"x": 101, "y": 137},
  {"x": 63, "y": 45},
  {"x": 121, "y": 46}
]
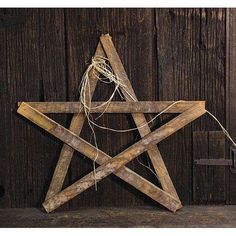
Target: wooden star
[{"x": 189, "y": 111}]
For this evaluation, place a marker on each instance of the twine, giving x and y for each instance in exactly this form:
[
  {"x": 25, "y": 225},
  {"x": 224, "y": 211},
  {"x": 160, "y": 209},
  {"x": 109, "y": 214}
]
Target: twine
[
  {"x": 223, "y": 128},
  {"x": 100, "y": 64}
]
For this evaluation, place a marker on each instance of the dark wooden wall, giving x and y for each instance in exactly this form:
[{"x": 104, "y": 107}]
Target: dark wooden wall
[{"x": 169, "y": 54}]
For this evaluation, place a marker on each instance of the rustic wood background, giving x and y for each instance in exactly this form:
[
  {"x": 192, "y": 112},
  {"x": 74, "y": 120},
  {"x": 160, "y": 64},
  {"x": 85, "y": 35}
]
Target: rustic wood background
[{"x": 169, "y": 54}]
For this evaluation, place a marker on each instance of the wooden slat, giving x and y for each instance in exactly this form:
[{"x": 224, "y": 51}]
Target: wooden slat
[
  {"x": 114, "y": 107},
  {"x": 35, "y": 70},
  {"x": 67, "y": 152},
  {"x": 139, "y": 118},
  {"x": 87, "y": 149},
  {"x": 90, "y": 151}
]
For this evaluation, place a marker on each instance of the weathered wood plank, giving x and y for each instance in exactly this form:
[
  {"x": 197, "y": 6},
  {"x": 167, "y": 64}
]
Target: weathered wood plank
[
  {"x": 24, "y": 190},
  {"x": 177, "y": 40},
  {"x": 53, "y": 83},
  {"x": 113, "y": 107},
  {"x": 212, "y": 86},
  {"x": 139, "y": 118},
  {"x": 28, "y": 57},
  {"x": 67, "y": 152},
  {"x": 138, "y": 217},
  {"x": 90, "y": 151}
]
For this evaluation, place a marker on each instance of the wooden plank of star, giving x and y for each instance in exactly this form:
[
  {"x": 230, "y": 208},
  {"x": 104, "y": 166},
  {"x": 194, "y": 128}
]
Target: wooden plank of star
[
  {"x": 66, "y": 151},
  {"x": 115, "y": 163},
  {"x": 113, "y": 107},
  {"x": 139, "y": 118},
  {"x": 90, "y": 151}
]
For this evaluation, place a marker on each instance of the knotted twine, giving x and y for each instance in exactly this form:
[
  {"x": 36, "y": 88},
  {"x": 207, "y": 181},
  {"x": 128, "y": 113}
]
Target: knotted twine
[{"x": 100, "y": 67}]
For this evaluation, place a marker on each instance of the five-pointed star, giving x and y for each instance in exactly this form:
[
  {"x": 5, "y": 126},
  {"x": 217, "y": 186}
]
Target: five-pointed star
[{"x": 108, "y": 165}]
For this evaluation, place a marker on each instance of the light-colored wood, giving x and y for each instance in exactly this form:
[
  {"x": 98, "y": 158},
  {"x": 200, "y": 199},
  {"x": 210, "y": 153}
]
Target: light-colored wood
[
  {"x": 139, "y": 118},
  {"x": 66, "y": 151},
  {"x": 90, "y": 151},
  {"x": 87, "y": 149},
  {"x": 113, "y": 107}
]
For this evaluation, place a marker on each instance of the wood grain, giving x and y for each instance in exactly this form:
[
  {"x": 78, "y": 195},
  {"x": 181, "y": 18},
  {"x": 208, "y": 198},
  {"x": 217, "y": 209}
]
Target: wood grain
[
  {"x": 191, "y": 66},
  {"x": 67, "y": 152},
  {"x": 31, "y": 63},
  {"x": 113, "y": 107},
  {"x": 209, "y": 181}
]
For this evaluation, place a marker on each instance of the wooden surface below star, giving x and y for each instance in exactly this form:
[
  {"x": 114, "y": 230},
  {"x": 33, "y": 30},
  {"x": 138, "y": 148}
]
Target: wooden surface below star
[
  {"x": 188, "y": 216},
  {"x": 168, "y": 54}
]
